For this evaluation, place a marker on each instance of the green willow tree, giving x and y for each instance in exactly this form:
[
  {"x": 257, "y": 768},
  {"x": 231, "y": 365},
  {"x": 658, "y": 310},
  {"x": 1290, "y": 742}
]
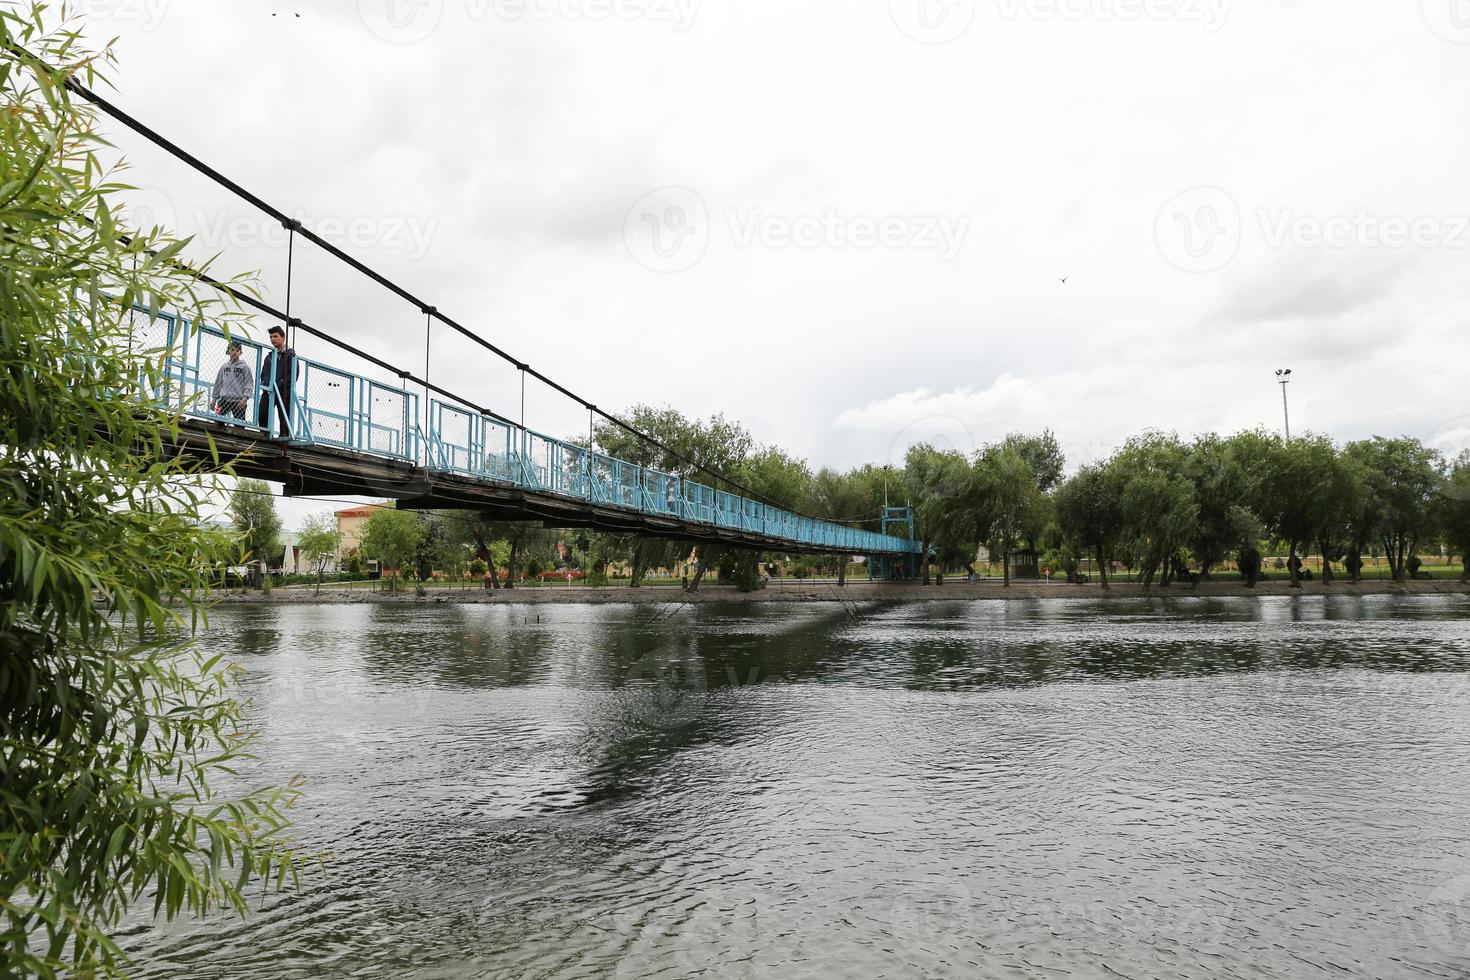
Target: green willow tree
[
  {"x": 1044, "y": 457},
  {"x": 113, "y": 727},
  {"x": 1090, "y": 512},
  {"x": 253, "y": 515},
  {"x": 1401, "y": 477},
  {"x": 523, "y": 537},
  {"x": 1296, "y": 495},
  {"x": 1452, "y": 511},
  {"x": 393, "y": 536},
  {"x": 774, "y": 476},
  {"x": 718, "y": 444},
  {"x": 1159, "y": 510},
  {"x": 938, "y": 484},
  {"x": 1006, "y": 506},
  {"x": 319, "y": 540},
  {"x": 837, "y": 497},
  {"x": 1225, "y": 472}
]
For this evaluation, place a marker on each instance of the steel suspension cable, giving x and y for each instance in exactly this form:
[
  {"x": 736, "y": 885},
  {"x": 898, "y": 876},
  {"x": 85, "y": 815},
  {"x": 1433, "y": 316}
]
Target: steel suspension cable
[
  {"x": 291, "y": 228},
  {"x": 260, "y": 203},
  {"x": 298, "y": 323}
]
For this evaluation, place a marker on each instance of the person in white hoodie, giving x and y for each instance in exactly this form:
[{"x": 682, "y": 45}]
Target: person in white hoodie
[{"x": 232, "y": 385}]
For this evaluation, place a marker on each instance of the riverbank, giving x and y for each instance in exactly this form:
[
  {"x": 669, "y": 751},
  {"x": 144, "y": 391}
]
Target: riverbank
[{"x": 854, "y": 592}]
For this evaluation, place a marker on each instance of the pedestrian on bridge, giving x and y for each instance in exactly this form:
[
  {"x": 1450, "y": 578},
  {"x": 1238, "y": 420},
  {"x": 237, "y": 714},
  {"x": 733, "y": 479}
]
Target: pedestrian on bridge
[
  {"x": 231, "y": 386},
  {"x": 277, "y": 372}
]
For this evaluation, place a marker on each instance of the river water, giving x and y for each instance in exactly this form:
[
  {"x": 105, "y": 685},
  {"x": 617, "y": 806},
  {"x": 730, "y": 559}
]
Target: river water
[{"x": 1204, "y": 788}]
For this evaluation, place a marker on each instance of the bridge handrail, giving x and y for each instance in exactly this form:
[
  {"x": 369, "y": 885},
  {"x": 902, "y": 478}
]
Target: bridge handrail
[
  {"x": 334, "y": 407},
  {"x": 565, "y": 468}
]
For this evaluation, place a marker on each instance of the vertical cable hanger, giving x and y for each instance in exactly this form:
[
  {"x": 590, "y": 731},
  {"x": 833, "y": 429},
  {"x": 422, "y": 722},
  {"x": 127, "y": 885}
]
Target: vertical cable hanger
[
  {"x": 292, "y": 226},
  {"x": 133, "y": 308},
  {"x": 220, "y": 179},
  {"x": 587, "y": 456},
  {"x": 429, "y": 312}
]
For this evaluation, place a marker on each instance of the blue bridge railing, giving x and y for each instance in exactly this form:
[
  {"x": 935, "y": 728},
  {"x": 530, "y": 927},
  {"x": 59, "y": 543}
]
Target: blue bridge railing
[{"x": 326, "y": 405}]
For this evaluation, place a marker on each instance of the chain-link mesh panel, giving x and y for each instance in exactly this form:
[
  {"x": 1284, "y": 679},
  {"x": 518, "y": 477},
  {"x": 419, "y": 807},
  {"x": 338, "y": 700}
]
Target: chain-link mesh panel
[
  {"x": 466, "y": 442},
  {"x": 659, "y": 495},
  {"x": 222, "y": 377},
  {"x": 334, "y": 407},
  {"x": 328, "y": 397},
  {"x": 601, "y": 477},
  {"x": 200, "y": 378},
  {"x": 700, "y": 502},
  {"x": 384, "y": 421},
  {"x": 153, "y": 337},
  {"x": 498, "y": 449},
  {"x": 535, "y": 462},
  {"x": 449, "y": 439},
  {"x": 569, "y": 470},
  {"x": 627, "y": 485}
]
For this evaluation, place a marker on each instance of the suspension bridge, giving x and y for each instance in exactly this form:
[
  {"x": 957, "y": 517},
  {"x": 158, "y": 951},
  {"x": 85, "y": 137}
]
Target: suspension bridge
[
  {"x": 326, "y": 429},
  {"x": 332, "y": 431}
]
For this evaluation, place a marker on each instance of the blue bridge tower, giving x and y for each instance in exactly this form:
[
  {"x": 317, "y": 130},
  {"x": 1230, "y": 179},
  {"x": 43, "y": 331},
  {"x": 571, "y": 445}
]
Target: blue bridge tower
[{"x": 890, "y": 567}]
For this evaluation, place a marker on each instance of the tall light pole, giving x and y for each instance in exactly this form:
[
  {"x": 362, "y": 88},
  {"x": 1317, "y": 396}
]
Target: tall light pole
[
  {"x": 885, "y": 486},
  {"x": 1283, "y": 378}
]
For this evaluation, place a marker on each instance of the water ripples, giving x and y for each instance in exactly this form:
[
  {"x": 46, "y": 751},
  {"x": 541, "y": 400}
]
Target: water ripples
[{"x": 1212, "y": 788}]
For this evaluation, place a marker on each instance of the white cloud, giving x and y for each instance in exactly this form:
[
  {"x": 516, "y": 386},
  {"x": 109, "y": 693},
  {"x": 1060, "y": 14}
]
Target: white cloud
[{"x": 523, "y": 143}]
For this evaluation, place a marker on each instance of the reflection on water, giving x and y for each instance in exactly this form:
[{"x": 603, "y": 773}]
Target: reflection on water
[{"x": 1202, "y": 788}]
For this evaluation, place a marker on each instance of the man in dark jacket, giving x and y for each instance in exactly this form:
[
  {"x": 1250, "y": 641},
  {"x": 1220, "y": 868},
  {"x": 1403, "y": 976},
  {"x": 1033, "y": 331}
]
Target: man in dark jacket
[{"x": 277, "y": 371}]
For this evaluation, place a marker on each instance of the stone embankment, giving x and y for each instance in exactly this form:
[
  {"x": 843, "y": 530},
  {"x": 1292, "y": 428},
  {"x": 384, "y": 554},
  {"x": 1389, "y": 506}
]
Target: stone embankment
[{"x": 855, "y": 592}]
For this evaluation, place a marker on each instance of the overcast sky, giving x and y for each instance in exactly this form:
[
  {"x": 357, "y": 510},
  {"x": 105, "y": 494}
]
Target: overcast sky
[{"x": 845, "y": 225}]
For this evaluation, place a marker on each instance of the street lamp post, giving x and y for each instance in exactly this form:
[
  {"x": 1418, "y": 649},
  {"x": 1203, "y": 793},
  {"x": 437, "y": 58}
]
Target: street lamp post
[{"x": 1283, "y": 378}]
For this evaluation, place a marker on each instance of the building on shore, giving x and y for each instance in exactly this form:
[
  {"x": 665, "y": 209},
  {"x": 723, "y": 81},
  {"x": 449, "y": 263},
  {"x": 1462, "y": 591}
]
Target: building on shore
[{"x": 349, "y": 526}]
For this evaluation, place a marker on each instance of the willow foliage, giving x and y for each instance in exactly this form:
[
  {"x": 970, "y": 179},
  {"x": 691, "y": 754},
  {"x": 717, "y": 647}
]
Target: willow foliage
[{"x": 112, "y": 725}]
